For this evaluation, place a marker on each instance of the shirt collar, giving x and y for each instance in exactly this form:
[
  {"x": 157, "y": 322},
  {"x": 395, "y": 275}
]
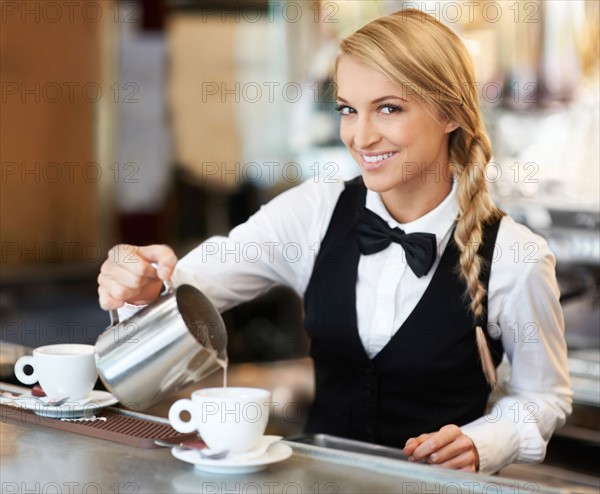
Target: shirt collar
[{"x": 437, "y": 221}]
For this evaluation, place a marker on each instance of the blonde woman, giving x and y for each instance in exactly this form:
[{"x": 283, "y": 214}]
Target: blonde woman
[{"x": 412, "y": 286}]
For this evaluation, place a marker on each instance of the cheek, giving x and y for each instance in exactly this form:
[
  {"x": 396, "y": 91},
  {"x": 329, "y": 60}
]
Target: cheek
[
  {"x": 413, "y": 128},
  {"x": 400, "y": 133},
  {"x": 345, "y": 134}
]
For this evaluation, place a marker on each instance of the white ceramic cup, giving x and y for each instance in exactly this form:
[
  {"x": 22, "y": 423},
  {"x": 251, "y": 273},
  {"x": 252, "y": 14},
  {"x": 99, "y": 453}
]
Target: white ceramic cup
[
  {"x": 66, "y": 370},
  {"x": 226, "y": 418}
]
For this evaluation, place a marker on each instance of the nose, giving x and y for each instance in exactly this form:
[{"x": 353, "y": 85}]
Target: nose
[{"x": 366, "y": 133}]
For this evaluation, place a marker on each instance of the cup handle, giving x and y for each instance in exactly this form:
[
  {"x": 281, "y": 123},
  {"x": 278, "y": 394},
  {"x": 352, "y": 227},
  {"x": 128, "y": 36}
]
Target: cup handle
[
  {"x": 179, "y": 425},
  {"x": 20, "y": 365}
]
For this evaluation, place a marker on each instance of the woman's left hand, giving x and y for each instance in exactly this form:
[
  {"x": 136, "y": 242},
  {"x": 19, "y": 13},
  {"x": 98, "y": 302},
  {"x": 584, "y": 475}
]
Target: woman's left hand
[{"x": 448, "y": 447}]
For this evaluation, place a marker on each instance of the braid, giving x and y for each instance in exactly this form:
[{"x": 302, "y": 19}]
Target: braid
[{"x": 476, "y": 209}]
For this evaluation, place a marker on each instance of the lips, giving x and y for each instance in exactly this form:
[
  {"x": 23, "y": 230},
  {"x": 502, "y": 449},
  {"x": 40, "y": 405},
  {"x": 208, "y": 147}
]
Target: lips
[{"x": 375, "y": 161}]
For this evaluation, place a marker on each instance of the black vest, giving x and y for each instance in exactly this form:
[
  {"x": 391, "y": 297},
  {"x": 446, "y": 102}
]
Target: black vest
[{"x": 427, "y": 376}]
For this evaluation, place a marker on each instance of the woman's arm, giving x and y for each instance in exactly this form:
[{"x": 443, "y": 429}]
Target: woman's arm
[
  {"x": 524, "y": 305},
  {"x": 277, "y": 245}
]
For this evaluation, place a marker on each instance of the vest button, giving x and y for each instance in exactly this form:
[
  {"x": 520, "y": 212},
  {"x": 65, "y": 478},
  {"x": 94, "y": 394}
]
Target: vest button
[{"x": 369, "y": 430}]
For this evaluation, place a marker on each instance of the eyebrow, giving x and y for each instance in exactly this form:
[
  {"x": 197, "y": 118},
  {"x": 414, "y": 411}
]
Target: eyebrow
[{"x": 378, "y": 100}]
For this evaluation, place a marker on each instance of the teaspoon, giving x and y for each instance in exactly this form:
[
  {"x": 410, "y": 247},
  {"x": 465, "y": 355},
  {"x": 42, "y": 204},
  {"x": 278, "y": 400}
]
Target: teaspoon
[
  {"x": 197, "y": 446},
  {"x": 51, "y": 403}
]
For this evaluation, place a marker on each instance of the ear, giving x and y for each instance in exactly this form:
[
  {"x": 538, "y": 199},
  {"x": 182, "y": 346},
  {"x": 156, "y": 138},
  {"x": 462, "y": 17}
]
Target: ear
[{"x": 450, "y": 126}]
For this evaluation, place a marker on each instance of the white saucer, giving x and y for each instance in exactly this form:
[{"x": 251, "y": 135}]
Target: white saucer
[
  {"x": 68, "y": 410},
  {"x": 232, "y": 465}
]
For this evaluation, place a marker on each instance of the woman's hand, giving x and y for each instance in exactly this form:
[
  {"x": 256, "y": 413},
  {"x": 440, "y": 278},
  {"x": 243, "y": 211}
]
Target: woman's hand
[
  {"x": 448, "y": 447},
  {"x": 127, "y": 276}
]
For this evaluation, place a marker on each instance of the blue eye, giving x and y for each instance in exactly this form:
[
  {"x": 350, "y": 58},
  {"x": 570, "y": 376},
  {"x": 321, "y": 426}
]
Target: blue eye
[
  {"x": 344, "y": 109},
  {"x": 388, "y": 109}
]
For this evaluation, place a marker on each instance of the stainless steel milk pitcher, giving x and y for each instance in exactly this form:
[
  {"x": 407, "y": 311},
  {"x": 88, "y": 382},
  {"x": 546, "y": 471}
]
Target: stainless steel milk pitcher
[{"x": 166, "y": 346}]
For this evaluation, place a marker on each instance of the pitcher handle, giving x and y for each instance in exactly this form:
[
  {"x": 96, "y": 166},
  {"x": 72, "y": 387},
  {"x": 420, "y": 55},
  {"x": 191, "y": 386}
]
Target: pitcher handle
[
  {"x": 169, "y": 288},
  {"x": 114, "y": 317}
]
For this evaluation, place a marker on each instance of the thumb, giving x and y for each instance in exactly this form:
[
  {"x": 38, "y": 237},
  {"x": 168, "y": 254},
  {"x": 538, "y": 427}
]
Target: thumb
[{"x": 163, "y": 256}]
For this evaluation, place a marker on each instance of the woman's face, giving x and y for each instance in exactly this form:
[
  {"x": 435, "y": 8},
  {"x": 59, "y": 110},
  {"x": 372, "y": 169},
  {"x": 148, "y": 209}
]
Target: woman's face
[{"x": 398, "y": 144}]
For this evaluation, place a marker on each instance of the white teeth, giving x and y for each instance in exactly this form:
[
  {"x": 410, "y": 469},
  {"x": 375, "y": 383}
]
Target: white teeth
[{"x": 375, "y": 159}]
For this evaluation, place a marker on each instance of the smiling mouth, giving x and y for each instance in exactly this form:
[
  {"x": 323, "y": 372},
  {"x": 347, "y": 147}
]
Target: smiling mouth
[
  {"x": 377, "y": 158},
  {"x": 375, "y": 161}
]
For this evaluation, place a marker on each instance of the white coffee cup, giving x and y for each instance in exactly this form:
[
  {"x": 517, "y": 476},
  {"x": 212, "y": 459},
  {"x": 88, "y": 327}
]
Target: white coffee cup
[
  {"x": 231, "y": 419},
  {"x": 65, "y": 370}
]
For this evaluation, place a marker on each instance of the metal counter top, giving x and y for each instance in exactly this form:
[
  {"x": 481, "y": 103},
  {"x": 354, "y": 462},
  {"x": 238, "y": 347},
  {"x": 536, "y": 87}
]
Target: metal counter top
[{"x": 38, "y": 459}]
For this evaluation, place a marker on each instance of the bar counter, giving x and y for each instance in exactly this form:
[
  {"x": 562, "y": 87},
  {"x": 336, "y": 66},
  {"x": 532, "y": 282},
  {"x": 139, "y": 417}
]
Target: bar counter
[{"x": 35, "y": 458}]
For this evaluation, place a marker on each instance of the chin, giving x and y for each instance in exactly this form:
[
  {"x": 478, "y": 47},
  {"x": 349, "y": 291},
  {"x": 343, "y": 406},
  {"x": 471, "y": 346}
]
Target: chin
[{"x": 378, "y": 184}]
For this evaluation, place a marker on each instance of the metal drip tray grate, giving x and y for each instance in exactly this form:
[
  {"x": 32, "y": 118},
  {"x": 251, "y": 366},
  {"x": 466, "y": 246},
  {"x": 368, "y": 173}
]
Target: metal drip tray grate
[{"x": 118, "y": 428}]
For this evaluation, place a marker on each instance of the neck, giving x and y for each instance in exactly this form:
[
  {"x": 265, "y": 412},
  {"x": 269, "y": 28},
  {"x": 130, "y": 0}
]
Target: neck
[{"x": 409, "y": 204}]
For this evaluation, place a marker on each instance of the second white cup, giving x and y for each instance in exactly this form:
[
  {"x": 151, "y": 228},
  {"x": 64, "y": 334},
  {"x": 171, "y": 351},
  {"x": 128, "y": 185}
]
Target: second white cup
[
  {"x": 64, "y": 370},
  {"x": 231, "y": 419}
]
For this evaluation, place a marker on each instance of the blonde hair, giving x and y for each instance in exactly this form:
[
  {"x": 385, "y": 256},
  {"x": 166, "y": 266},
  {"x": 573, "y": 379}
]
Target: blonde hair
[{"x": 429, "y": 61}]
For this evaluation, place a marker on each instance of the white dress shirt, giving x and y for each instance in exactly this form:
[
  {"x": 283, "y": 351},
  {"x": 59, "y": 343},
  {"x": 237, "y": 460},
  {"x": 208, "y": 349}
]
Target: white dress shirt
[{"x": 278, "y": 245}]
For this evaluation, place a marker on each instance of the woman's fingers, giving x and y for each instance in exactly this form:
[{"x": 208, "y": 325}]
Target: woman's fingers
[
  {"x": 447, "y": 455},
  {"x": 413, "y": 443},
  {"x": 465, "y": 461},
  {"x": 433, "y": 443},
  {"x": 124, "y": 276},
  {"x": 448, "y": 447},
  {"x": 128, "y": 274},
  {"x": 106, "y": 300},
  {"x": 163, "y": 256},
  {"x": 128, "y": 258},
  {"x": 436, "y": 441}
]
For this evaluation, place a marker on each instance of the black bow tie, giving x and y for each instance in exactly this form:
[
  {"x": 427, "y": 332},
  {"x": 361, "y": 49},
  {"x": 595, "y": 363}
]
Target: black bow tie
[{"x": 374, "y": 235}]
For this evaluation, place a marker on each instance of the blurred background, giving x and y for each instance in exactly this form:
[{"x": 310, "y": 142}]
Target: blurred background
[{"x": 169, "y": 121}]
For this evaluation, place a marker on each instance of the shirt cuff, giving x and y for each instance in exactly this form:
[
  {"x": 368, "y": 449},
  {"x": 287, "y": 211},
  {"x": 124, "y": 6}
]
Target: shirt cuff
[
  {"x": 128, "y": 310},
  {"x": 497, "y": 443}
]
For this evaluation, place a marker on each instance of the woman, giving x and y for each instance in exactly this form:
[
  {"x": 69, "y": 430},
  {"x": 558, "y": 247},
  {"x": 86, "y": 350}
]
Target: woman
[{"x": 412, "y": 280}]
